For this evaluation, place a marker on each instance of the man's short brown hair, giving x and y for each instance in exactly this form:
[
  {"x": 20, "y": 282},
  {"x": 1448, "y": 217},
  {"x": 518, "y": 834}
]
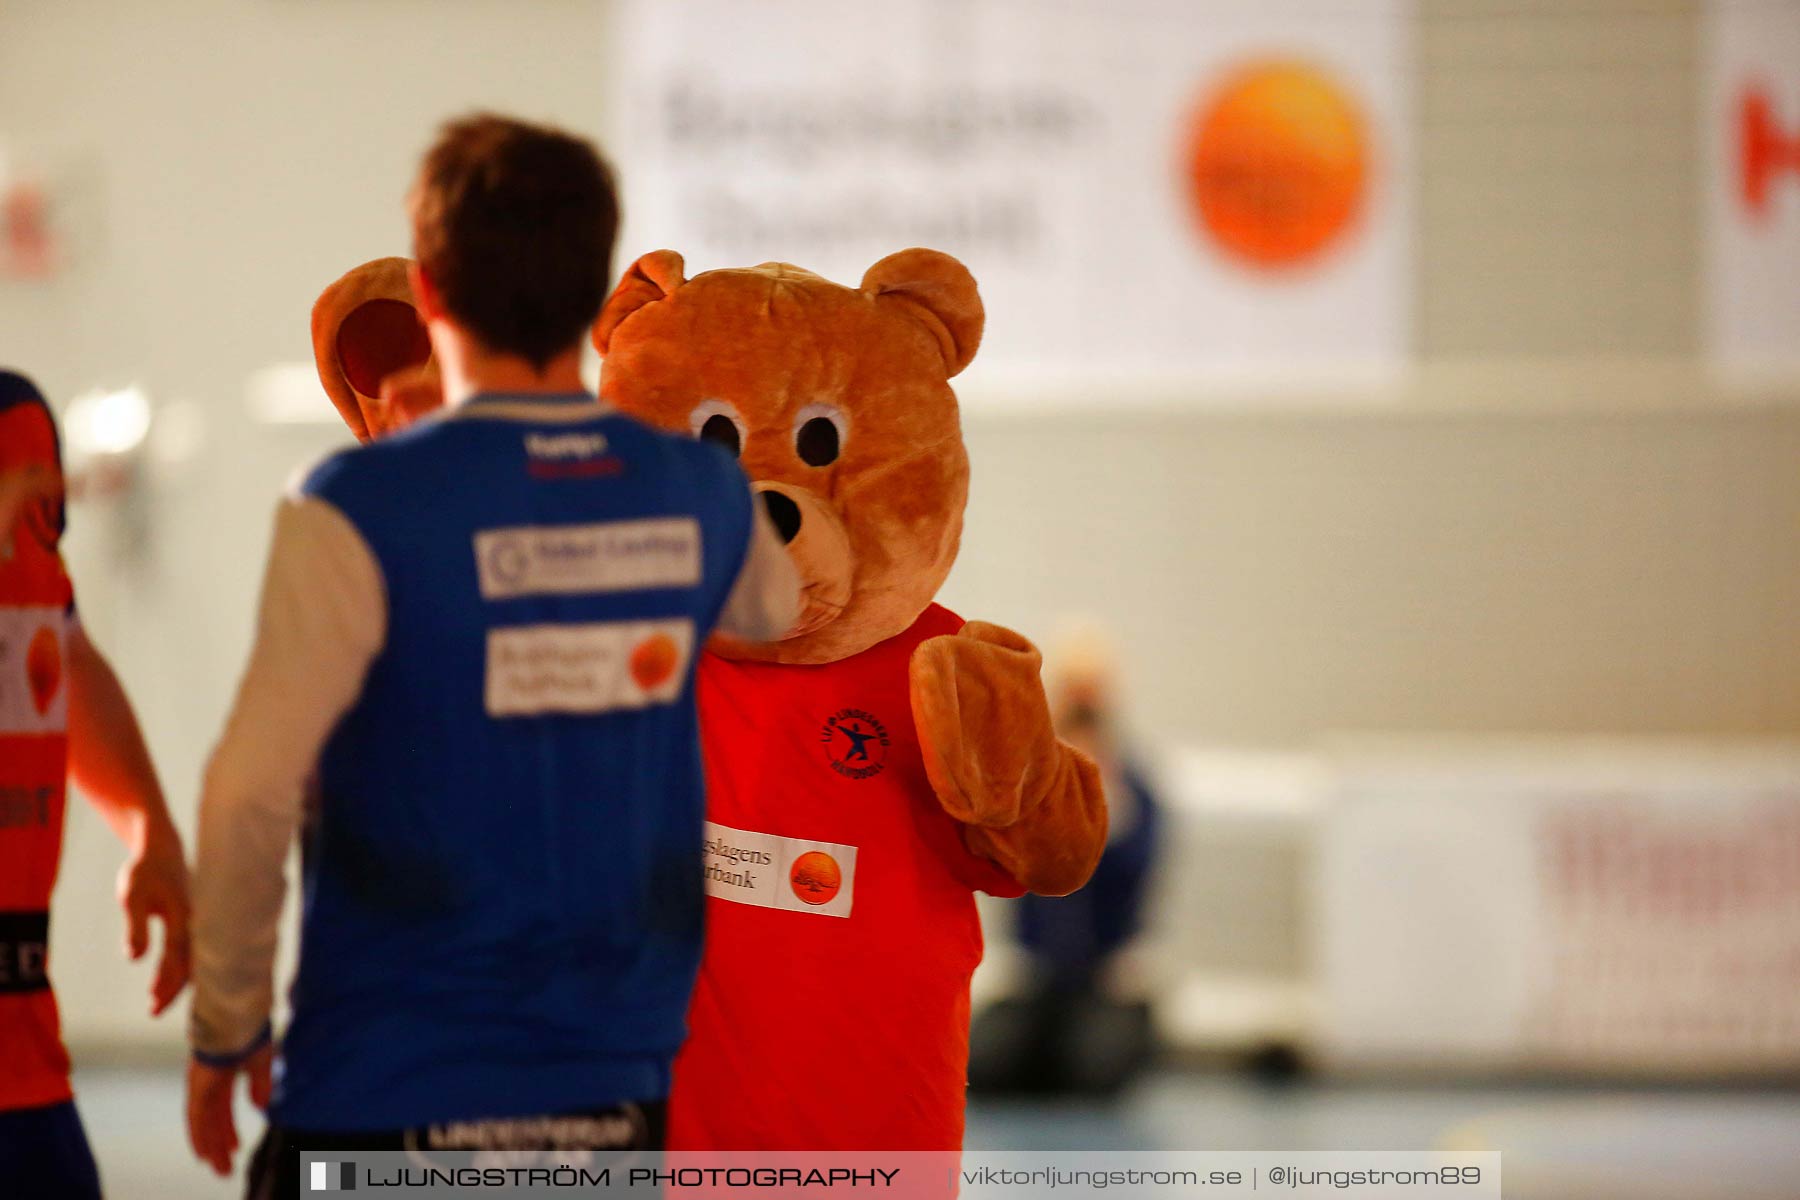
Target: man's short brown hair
[{"x": 514, "y": 225}]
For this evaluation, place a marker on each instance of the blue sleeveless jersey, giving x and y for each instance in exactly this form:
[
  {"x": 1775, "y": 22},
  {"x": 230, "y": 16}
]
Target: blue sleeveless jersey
[{"x": 503, "y": 902}]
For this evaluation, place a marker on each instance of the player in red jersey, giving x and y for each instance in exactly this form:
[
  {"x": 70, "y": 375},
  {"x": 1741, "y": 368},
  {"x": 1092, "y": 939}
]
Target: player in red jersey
[{"x": 62, "y": 713}]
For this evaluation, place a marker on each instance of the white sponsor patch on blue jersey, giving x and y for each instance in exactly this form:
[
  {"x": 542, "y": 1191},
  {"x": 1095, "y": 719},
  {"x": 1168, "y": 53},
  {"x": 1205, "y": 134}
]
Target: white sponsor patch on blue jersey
[
  {"x": 592, "y": 668},
  {"x": 614, "y": 556}
]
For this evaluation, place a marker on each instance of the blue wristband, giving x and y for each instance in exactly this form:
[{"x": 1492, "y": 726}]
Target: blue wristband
[{"x": 263, "y": 1038}]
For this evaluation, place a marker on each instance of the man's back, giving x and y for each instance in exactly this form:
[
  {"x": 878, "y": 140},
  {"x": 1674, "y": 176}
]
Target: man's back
[
  {"x": 503, "y": 898},
  {"x": 477, "y": 640}
]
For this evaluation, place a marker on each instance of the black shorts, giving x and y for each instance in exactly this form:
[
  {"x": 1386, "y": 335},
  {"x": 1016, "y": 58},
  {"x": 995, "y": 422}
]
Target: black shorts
[
  {"x": 44, "y": 1155},
  {"x": 637, "y": 1125}
]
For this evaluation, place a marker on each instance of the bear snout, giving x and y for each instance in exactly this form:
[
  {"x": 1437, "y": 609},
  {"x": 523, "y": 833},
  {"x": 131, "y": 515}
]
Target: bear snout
[
  {"x": 819, "y": 544},
  {"x": 784, "y": 514}
]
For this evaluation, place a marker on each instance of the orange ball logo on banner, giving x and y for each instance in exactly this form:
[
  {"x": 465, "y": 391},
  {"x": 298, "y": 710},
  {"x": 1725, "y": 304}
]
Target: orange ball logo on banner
[{"x": 1277, "y": 164}]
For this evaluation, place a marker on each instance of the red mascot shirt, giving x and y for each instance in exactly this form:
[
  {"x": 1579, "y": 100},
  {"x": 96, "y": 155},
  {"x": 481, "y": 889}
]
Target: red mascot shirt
[
  {"x": 36, "y": 612},
  {"x": 832, "y": 1009}
]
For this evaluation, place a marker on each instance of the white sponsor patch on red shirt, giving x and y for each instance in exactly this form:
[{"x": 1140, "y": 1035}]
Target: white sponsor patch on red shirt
[
  {"x": 771, "y": 871},
  {"x": 34, "y": 686}
]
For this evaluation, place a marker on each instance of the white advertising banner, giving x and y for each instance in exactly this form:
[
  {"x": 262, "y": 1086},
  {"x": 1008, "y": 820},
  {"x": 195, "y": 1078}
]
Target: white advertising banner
[
  {"x": 1752, "y": 136},
  {"x": 1145, "y": 189},
  {"x": 1626, "y": 908}
]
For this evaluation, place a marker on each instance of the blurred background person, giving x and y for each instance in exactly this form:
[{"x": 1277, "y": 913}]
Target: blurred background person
[
  {"x": 63, "y": 715},
  {"x": 1081, "y": 1024}
]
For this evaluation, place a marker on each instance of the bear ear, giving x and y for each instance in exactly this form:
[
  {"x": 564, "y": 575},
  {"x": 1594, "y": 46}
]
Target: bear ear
[
  {"x": 365, "y": 329},
  {"x": 940, "y": 292},
  {"x": 653, "y": 277}
]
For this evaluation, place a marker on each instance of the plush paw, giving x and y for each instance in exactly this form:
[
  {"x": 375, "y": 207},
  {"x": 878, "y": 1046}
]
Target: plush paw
[
  {"x": 984, "y": 723},
  {"x": 1027, "y": 801}
]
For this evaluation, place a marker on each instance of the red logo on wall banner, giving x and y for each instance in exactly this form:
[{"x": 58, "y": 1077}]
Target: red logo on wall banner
[
  {"x": 1277, "y": 164},
  {"x": 1765, "y": 150},
  {"x": 27, "y": 239}
]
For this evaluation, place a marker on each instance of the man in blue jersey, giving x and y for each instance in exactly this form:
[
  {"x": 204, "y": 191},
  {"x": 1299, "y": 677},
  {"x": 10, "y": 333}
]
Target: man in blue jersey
[{"x": 478, "y": 638}]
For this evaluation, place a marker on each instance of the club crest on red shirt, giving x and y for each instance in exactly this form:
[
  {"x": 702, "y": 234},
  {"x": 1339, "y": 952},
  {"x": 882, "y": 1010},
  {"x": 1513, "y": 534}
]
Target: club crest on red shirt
[{"x": 855, "y": 742}]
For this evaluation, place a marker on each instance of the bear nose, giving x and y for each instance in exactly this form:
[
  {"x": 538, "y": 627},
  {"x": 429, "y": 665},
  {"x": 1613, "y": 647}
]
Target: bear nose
[{"x": 784, "y": 513}]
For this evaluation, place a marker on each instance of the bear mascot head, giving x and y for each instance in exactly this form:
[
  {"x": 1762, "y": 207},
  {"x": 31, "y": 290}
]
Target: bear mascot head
[{"x": 836, "y": 401}]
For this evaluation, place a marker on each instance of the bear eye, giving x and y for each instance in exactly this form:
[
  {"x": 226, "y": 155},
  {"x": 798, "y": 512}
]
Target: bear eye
[
  {"x": 717, "y": 421},
  {"x": 819, "y": 434}
]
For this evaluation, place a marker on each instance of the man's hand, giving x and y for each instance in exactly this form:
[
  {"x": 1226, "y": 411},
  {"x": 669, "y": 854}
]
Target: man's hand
[
  {"x": 154, "y": 883},
  {"x": 212, "y": 1130},
  {"x": 110, "y": 765}
]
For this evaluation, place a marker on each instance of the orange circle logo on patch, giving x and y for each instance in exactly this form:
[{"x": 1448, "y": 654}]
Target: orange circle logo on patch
[
  {"x": 1277, "y": 163},
  {"x": 816, "y": 877},
  {"x": 43, "y": 667},
  {"x": 654, "y": 660}
]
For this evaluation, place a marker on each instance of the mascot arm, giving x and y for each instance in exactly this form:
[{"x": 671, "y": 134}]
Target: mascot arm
[{"x": 1027, "y": 801}]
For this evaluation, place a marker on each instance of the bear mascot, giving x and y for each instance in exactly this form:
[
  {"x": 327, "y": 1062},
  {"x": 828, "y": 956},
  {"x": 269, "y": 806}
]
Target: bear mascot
[{"x": 876, "y": 767}]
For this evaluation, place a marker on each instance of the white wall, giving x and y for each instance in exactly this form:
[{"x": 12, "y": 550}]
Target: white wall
[
  {"x": 1422, "y": 562},
  {"x": 1272, "y": 577}
]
